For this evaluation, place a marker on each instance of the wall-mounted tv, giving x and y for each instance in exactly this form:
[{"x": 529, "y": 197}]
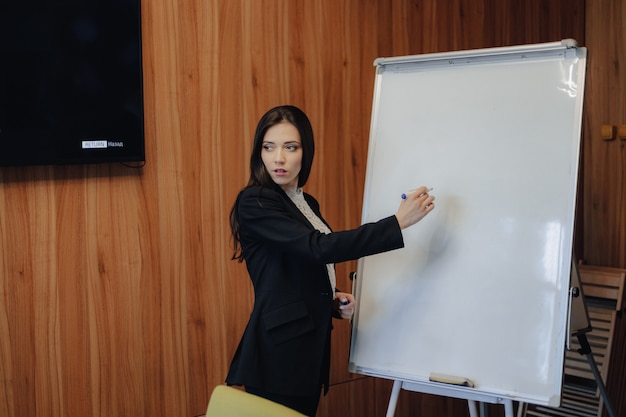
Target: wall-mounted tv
[{"x": 70, "y": 82}]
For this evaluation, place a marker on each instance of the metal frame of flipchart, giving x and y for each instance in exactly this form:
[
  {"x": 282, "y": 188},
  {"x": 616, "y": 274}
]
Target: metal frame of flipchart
[{"x": 450, "y": 390}]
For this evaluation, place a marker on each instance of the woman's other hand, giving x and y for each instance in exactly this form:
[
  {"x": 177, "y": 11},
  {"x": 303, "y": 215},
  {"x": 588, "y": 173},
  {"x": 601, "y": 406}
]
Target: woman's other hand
[{"x": 346, "y": 304}]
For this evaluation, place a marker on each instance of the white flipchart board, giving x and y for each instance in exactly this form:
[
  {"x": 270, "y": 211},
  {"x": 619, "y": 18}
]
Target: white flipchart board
[{"x": 480, "y": 290}]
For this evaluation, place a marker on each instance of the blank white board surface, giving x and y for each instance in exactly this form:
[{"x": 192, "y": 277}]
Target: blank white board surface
[{"x": 480, "y": 290}]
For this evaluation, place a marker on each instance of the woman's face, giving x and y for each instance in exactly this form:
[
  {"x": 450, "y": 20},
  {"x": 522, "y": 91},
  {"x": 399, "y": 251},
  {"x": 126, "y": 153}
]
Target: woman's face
[{"x": 282, "y": 154}]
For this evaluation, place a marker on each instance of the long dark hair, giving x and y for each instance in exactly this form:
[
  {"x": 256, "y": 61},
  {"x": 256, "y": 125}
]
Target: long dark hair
[{"x": 258, "y": 174}]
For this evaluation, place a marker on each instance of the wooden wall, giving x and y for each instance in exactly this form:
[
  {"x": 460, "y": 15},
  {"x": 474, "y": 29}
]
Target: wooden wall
[
  {"x": 117, "y": 293},
  {"x": 603, "y": 216},
  {"x": 602, "y": 220}
]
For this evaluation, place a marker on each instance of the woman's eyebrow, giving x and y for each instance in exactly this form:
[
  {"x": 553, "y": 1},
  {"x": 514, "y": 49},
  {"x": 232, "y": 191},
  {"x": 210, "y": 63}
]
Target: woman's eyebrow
[{"x": 289, "y": 142}]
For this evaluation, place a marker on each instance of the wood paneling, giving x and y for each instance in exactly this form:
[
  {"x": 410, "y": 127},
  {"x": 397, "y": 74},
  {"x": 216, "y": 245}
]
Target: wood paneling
[
  {"x": 117, "y": 292},
  {"x": 604, "y": 162}
]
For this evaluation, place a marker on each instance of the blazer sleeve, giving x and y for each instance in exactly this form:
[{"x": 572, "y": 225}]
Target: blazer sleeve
[{"x": 268, "y": 216}]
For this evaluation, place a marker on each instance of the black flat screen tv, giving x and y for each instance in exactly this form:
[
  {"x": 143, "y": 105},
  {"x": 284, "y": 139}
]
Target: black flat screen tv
[{"x": 70, "y": 82}]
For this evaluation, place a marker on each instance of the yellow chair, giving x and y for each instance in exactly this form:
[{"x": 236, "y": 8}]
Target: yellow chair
[{"x": 232, "y": 402}]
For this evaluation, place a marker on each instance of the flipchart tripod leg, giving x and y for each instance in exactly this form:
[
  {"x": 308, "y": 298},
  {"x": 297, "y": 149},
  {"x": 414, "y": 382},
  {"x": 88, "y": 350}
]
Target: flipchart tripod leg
[
  {"x": 393, "y": 400},
  {"x": 472, "y": 408},
  {"x": 508, "y": 408},
  {"x": 585, "y": 349}
]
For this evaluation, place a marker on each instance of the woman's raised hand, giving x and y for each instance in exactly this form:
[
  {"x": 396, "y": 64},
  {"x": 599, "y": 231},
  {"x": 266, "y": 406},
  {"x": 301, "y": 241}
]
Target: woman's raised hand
[{"x": 415, "y": 205}]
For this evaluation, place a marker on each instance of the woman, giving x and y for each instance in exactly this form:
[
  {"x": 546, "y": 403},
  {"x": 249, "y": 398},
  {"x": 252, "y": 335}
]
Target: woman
[{"x": 290, "y": 252}]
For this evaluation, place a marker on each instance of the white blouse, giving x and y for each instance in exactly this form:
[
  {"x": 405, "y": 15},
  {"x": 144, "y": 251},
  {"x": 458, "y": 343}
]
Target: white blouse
[{"x": 297, "y": 196}]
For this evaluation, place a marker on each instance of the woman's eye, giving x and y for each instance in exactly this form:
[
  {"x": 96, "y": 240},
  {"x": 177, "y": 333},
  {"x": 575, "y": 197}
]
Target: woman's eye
[
  {"x": 268, "y": 147},
  {"x": 292, "y": 147}
]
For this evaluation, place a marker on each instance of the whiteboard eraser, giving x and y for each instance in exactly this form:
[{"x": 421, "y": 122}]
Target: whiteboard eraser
[{"x": 451, "y": 379}]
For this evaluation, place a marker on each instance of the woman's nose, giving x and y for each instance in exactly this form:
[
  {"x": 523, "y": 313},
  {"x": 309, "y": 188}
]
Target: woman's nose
[{"x": 280, "y": 156}]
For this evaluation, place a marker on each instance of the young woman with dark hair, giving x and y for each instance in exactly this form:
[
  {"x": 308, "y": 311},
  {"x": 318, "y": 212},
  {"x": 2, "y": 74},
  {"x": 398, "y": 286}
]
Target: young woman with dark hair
[{"x": 290, "y": 252}]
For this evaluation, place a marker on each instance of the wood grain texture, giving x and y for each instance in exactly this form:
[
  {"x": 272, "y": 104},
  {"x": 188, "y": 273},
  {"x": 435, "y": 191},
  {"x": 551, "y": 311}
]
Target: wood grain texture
[
  {"x": 604, "y": 162},
  {"x": 117, "y": 292}
]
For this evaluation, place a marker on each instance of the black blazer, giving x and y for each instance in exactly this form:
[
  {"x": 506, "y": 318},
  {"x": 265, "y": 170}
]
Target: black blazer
[{"x": 285, "y": 348}]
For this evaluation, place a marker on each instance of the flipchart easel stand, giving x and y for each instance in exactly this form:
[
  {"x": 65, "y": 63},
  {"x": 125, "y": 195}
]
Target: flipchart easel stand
[
  {"x": 448, "y": 391},
  {"x": 578, "y": 325}
]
